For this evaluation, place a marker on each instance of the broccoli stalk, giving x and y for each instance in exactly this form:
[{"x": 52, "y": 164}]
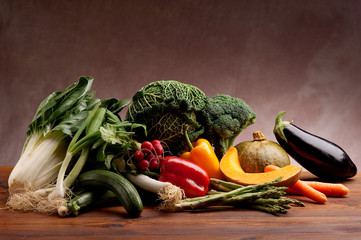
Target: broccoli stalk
[{"x": 224, "y": 143}]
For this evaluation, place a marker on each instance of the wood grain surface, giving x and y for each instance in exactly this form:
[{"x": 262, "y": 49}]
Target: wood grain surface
[{"x": 339, "y": 218}]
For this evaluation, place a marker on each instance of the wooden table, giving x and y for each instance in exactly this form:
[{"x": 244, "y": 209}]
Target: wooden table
[{"x": 339, "y": 218}]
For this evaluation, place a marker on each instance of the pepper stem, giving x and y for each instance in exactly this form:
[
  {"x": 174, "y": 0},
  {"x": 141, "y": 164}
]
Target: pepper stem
[
  {"x": 258, "y": 136},
  {"x": 189, "y": 143}
]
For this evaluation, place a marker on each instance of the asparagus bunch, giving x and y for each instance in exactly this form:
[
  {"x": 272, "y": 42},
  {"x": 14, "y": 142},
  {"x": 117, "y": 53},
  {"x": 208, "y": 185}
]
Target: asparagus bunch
[{"x": 264, "y": 197}]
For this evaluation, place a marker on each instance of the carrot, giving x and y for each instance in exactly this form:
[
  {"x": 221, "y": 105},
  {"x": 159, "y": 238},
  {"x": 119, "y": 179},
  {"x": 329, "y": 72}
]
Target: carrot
[
  {"x": 270, "y": 168},
  {"x": 302, "y": 188},
  {"x": 309, "y": 192},
  {"x": 292, "y": 192},
  {"x": 329, "y": 189}
]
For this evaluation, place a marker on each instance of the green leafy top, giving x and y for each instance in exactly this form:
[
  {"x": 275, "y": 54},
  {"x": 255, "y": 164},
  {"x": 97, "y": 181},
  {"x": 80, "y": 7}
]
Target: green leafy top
[
  {"x": 165, "y": 107},
  {"x": 170, "y": 93},
  {"x": 64, "y": 110}
]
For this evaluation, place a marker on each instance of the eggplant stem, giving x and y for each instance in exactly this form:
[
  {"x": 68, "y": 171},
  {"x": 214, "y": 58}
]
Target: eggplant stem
[{"x": 280, "y": 125}]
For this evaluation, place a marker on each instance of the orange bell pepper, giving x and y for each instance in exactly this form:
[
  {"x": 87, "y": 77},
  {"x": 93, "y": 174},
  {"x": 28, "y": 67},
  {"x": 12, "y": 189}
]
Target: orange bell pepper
[{"x": 201, "y": 153}]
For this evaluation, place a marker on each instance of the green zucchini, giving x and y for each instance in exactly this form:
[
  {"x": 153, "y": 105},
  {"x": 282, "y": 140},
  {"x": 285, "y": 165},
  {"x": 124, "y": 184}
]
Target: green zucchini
[
  {"x": 119, "y": 185},
  {"x": 91, "y": 199}
]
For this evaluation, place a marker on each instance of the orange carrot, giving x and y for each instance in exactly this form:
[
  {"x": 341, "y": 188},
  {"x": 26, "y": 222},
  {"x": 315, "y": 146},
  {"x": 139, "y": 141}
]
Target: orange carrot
[
  {"x": 307, "y": 191},
  {"x": 292, "y": 192},
  {"x": 270, "y": 168},
  {"x": 329, "y": 189},
  {"x": 302, "y": 188}
]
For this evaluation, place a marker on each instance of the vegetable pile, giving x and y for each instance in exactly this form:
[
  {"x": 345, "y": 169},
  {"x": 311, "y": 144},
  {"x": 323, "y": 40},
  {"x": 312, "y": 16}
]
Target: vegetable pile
[
  {"x": 165, "y": 107},
  {"x": 175, "y": 145}
]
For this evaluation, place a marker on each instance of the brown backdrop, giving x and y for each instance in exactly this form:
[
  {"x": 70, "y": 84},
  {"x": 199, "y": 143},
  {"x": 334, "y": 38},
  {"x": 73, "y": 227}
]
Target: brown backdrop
[{"x": 299, "y": 56}]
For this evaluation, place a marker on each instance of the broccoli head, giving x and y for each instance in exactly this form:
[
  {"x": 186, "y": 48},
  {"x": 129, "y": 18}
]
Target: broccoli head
[{"x": 225, "y": 117}]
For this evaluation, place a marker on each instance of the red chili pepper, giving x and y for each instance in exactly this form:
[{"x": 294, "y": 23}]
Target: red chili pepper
[{"x": 185, "y": 174}]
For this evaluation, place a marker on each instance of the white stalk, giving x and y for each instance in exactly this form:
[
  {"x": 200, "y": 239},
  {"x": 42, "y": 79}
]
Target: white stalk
[
  {"x": 32, "y": 178},
  {"x": 59, "y": 191},
  {"x": 170, "y": 194},
  {"x": 38, "y": 165},
  {"x": 17, "y": 172}
]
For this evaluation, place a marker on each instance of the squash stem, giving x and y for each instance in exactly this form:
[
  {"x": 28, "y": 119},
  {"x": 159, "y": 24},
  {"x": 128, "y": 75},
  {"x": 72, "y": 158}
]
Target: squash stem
[{"x": 259, "y": 136}]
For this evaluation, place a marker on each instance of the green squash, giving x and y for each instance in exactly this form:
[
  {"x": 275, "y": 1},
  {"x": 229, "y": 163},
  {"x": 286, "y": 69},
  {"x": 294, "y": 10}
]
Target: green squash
[{"x": 255, "y": 155}]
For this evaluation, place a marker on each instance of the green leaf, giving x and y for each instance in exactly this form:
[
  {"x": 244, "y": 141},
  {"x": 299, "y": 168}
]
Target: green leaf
[
  {"x": 64, "y": 108},
  {"x": 138, "y": 125},
  {"x": 109, "y": 134},
  {"x": 96, "y": 121},
  {"x": 89, "y": 139},
  {"x": 100, "y": 154},
  {"x": 98, "y": 143},
  {"x": 81, "y": 88},
  {"x": 112, "y": 118},
  {"x": 86, "y": 141},
  {"x": 108, "y": 161},
  {"x": 43, "y": 113},
  {"x": 115, "y": 105},
  {"x": 72, "y": 123}
]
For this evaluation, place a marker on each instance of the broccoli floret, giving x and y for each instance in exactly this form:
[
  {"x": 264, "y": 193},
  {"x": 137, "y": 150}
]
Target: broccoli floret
[{"x": 225, "y": 118}]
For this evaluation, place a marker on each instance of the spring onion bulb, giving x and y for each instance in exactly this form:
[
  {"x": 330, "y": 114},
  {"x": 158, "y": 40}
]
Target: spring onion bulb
[{"x": 167, "y": 192}]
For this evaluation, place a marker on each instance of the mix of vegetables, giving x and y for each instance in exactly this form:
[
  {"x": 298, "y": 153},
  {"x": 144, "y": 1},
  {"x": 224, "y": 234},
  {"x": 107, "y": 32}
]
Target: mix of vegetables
[
  {"x": 175, "y": 144},
  {"x": 166, "y": 107}
]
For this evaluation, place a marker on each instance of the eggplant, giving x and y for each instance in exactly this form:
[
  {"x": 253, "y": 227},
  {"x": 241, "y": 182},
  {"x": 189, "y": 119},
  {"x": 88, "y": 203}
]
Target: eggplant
[{"x": 319, "y": 156}]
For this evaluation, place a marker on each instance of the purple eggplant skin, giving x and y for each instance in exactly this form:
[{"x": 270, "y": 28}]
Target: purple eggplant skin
[{"x": 319, "y": 156}]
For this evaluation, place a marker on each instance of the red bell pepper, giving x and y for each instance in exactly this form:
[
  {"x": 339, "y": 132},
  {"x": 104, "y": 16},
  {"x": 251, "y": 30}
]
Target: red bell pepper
[{"x": 185, "y": 174}]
